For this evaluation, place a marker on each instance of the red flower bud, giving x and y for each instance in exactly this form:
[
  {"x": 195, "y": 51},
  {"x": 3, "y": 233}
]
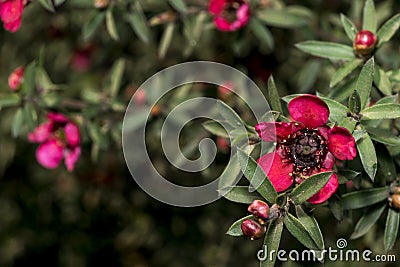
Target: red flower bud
[
  {"x": 364, "y": 43},
  {"x": 252, "y": 229},
  {"x": 259, "y": 209},
  {"x": 394, "y": 201},
  {"x": 16, "y": 77}
]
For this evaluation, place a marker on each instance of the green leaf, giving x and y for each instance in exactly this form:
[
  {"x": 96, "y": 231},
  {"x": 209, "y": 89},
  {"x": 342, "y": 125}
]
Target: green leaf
[
  {"x": 28, "y": 85},
  {"x": 271, "y": 241},
  {"x": 240, "y": 194},
  {"x": 236, "y": 229},
  {"x": 47, "y": 4},
  {"x": 282, "y": 18},
  {"x": 92, "y": 24},
  {"x": 387, "y": 170},
  {"x": 309, "y": 187},
  {"x": 391, "y": 229},
  {"x": 215, "y": 128},
  {"x": 138, "y": 22},
  {"x": 273, "y": 95},
  {"x": 345, "y": 71},
  {"x": 30, "y": 116},
  {"x": 367, "y": 221},
  {"x": 336, "y": 208},
  {"x": 166, "y": 40},
  {"x": 9, "y": 100},
  {"x": 333, "y": 51},
  {"x": 311, "y": 224},
  {"x": 365, "y": 198},
  {"x": 355, "y": 102},
  {"x": 178, "y": 5},
  {"x": 116, "y": 74},
  {"x": 381, "y": 111},
  {"x": 346, "y": 175},
  {"x": 256, "y": 176},
  {"x": 262, "y": 33},
  {"x": 383, "y": 136},
  {"x": 364, "y": 82},
  {"x": 349, "y": 27},
  {"x": 18, "y": 123},
  {"x": 349, "y": 123},
  {"x": 308, "y": 75},
  {"x": 229, "y": 114},
  {"x": 369, "y": 18},
  {"x": 382, "y": 81},
  {"x": 299, "y": 231},
  {"x": 367, "y": 154},
  {"x": 388, "y": 29},
  {"x": 110, "y": 24}
]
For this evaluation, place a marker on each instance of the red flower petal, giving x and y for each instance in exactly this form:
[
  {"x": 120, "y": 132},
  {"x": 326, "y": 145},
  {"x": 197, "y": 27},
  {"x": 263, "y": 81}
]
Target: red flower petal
[
  {"x": 41, "y": 133},
  {"x": 11, "y": 11},
  {"x": 13, "y": 26},
  {"x": 72, "y": 134},
  {"x": 326, "y": 191},
  {"x": 277, "y": 171},
  {"x": 272, "y": 131},
  {"x": 341, "y": 143},
  {"x": 310, "y": 110},
  {"x": 57, "y": 117},
  {"x": 49, "y": 154},
  {"x": 216, "y": 6},
  {"x": 71, "y": 157},
  {"x": 329, "y": 161}
]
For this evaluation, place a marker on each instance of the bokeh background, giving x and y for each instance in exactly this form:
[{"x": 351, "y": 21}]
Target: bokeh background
[{"x": 97, "y": 215}]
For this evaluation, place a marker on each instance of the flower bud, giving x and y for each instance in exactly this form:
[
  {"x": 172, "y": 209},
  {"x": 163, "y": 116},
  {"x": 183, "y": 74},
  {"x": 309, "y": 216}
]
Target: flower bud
[
  {"x": 259, "y": 209},
  {"x": 101, "y": 3},
  {"x": 394, "y": 201},
  {"x": 16, "y": 78},
  {"x": 252, "y": 229},
  {"x": 364, "y": 43}
]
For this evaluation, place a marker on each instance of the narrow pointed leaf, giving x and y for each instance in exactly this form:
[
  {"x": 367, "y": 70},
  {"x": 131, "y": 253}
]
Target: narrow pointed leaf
[
  {"x": 92, "y": 25},
  {"x": 236, "y": 229},
  {"x": 364, "y": 82},
  {"x": 215, "y": 128},
  {"x": 229, "y": 114},
  {"x": 309, "y": 187},
  {"x": 271, "y": 241},
  {"x": 345, "y": 71},
  {"x": 382, "y": 81},
  {"x": 299, "y": 231},
  {"x": 367, "y": 154},
  {"x": 256, "y": 176},
  {"x": 333, "y": 51},
  {"x": 110, "y": 24},
  {"x": 391, "y": 229},
  {"x": 381, "y": 111},
  {"x": 117, "y": 72},
  {"x": 355, "y": 102},
  {"x": 47, "y": 4},
  {"x": 273, "y": 95},
  {"x": 179, "y": 5},
  {"x": 349, "y": 27},
  {"x": 311, "y": 224},
  {"x": 18, "y": 123},
  {"x": 166, "y": 40},
  {"x": 28, "y": 85},
  {"x": 282, "y": 18},
  {"x": 369, "y": 18},
  {"x": 367, "y": 221},
  {"x": 240, "y": 194},
  {"x": 9, "y": 100},
  {"x": 365, "y": 198},
  {"x": 388, "y": 29},
  {"x": 138, "y": 22}
]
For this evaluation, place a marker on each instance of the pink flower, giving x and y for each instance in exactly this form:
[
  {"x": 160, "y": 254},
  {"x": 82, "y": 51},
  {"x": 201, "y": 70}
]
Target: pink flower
[
  {"x": 305, "y": 146},
  {"x": 16, "y": 78},
  {"x": 229, "y": 15},
  {"x": 59, "y": 138},
  {"x": 11, "y": 14}
]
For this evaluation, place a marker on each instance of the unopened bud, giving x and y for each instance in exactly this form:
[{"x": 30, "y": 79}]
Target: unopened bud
[
  {"x": 101, "y": 3},
  {"x": 394, "y": 201},
  {"x": 252, "y": 229},
  {"x": 259, "y": 209},
  {"x": 16, "y": 78},
  {"x": 364, "y": 43}
]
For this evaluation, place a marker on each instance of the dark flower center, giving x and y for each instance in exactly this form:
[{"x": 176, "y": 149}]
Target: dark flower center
[
  {"x": 230, "y": 10},
  {"x": 306, "y": 149}
]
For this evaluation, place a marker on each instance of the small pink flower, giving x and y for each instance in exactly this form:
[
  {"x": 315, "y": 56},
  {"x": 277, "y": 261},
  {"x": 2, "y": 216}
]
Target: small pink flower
[
  {"x": 16, "y": 78},
  {"x": 11, "y": 14},
  {"x": 305, "y": 146},
  {"x": 229, "y": 15},
  {"x": 140, "y": 97},
  {"x": 59, "y": 138},
  {"x": 225, "y": 89}
]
